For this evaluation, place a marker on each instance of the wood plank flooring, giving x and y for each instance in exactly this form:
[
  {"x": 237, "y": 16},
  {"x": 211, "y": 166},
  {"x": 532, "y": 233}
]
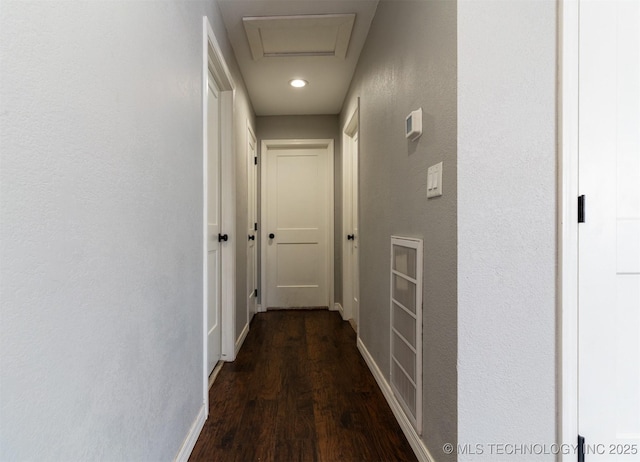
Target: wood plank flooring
[{"x": 299, "y": 391}]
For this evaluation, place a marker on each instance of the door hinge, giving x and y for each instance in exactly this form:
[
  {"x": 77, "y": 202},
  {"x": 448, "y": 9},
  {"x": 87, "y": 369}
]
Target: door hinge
[
  {"x": 580, "y": 448},
  {"x": 581, "y": 215},
  {"x": 255, "y": 226},
  {"x": 255, "y": 160},
  {"x": 255, "y": 293}
]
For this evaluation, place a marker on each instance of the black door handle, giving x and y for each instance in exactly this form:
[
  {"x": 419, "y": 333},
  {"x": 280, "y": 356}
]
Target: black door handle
[
  {"x": 252, "y": 237},
  {"x": 271, "y": 235},
  {"x": 223, "y": 237},
  {"x": 351, "y": 237}
]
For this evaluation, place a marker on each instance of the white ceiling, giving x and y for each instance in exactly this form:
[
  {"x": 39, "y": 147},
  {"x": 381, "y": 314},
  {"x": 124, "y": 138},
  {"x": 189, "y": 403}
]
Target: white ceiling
[{"x": 310, "y": 48}]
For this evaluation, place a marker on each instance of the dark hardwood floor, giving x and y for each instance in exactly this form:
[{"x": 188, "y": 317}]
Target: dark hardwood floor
[{"x": 299, "y": 391}]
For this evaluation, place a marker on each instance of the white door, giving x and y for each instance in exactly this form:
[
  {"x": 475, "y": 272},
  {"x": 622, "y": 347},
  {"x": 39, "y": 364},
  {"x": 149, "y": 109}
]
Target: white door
[
  {"x": 354, "y": 293},
  {"x": 252, "y": 225},
  {"x": 609, "y": 237},
  {"x": 298, "y": 201},
  {"x": 213, "y": 225}
]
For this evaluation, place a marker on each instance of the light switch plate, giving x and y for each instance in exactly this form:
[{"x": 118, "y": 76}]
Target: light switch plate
[{"x": 434, "y": 180}]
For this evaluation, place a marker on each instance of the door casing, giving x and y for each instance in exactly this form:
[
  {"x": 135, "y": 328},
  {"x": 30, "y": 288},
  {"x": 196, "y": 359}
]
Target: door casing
[
  {"x": 264, "y": 147},
  {"x": 252, "y": 217},
  {"x": 213, "y": 61},
  {"x": 349, "y": 131}
]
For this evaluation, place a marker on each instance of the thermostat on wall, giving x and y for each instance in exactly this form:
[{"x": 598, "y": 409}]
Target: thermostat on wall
[{"x": 413, "y": 126}]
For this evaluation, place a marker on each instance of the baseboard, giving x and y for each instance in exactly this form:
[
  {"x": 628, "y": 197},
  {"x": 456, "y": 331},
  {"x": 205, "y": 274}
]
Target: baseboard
[
  {"x": 240, "y": 341},
  {"x": 214, "y": 374},
  {"x": 192, "y": 437},
  {"x": 338, "y": 307},
  {"x": 420, "y": 450}
]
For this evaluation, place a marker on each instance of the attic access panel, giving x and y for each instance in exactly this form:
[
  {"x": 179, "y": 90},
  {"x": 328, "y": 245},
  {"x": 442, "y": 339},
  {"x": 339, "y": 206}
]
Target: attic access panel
[{"x": 304, "y": 35}]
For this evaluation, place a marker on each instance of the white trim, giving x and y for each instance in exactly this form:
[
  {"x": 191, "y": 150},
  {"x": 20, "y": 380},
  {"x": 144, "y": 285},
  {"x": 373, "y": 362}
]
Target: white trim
[
  {"x": 214, "y": 374},
  {"x": 264, "y": 145},
  {"x": 205, "y": 186},
  {"x": 568, "y": 74},
  {"x": 418, "y": 446},
  {"x": 251, "y": 137},
  {"x": 348, "y": 132},
  {"x": 338, "y": 307},
  {"x": 241, "y": 338},
  {"x": 228, "y": 220},
  {"x": 192, "y": 437}
]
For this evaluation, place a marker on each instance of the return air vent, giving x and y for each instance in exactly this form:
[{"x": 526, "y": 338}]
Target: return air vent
[
  {"x": 406, "y": 326},
  {"x": 305, "y": 35}
]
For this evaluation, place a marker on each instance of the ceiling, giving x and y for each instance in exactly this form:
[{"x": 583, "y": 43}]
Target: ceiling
[{"x": 276, "y": 41}]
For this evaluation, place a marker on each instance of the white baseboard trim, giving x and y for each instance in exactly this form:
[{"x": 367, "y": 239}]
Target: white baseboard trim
[
  {"x": 420, "y": 450},
  {"x": 192, "y": 437},
  {"x": 338, "y": 307},
  {"x": 240, "y": 341},
  {"x": 214, "y": 374}
]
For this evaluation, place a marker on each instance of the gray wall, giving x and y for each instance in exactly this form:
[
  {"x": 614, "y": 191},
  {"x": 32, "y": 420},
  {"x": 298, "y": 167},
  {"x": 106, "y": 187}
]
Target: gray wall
[
  {"x": 310, "y": 127},
  {"x": 506, "y": 224},
  {"x": 100, "y": 228},
  {"x": 409, "y": 61}
]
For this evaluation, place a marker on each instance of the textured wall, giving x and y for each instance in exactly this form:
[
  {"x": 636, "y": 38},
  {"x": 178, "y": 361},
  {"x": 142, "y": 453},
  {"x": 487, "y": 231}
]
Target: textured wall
[
  {"x": 409, "y": 61},
  {"x": 506, "y": 224},
  {"x": 100, "y": 228},
  {"x": 310, "y": 127}
]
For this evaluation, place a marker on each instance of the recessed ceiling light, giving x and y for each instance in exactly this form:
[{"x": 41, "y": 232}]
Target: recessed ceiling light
[{"x": 298, "y": 83}]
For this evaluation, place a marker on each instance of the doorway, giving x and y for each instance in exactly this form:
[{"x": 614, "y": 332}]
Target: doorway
[
  {"x": 297, "y": 223},
  {"x": 214, "y": 237},
  {"x": 218, "y": 208},
  {"x": 252, "y": 224},
  {"x": 351, "y": 232},
  {"x": 601, "y": 230}
]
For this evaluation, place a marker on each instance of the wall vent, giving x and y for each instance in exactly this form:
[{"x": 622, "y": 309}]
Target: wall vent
[{"x": 406, "y": 326}]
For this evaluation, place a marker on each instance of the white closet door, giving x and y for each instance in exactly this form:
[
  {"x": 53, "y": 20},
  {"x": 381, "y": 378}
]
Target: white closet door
[{"x": 609, "y": 238}]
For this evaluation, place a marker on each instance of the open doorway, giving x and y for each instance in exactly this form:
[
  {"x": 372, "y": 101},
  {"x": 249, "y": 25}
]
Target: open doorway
[
  {"x": 350, "y": 232},
  {"x": 218, "y": 208}
]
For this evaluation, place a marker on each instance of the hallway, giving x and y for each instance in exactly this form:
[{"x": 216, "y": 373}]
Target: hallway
[{"x": 299, "y": 391}]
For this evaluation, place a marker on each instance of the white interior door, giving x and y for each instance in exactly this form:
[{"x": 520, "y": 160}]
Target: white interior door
[
  {"x": 351, "y": 242},
  {"x": 252, "y": 224},
  {"x": 354, "y": 260},
  {"x": 213, "y": 225},
  {"x": 609, "y": 237},
  {"x": 297, "y": 192}
]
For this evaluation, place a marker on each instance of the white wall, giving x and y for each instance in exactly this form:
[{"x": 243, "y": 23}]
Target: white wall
[
  {"x": 100, "y": 228},
  {"x": 506, "y": 225}
]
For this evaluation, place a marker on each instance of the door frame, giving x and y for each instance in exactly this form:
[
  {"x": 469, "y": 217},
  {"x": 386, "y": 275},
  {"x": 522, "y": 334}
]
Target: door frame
[
  {"x": 351, "y": 128},
  {"x": 567, "y": 217},
  {"x": 264, "y": 147},
  {"x": 251, "y": 137},
  {"x": 213, "y": 60}
]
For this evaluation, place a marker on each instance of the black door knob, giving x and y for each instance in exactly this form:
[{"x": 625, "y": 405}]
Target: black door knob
[
  {"x": 252, "y": 237},
  {"x": 271, "y": 235},
  {"x": 351, "y": 237},
  {"x": 223, "y": 237}
]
